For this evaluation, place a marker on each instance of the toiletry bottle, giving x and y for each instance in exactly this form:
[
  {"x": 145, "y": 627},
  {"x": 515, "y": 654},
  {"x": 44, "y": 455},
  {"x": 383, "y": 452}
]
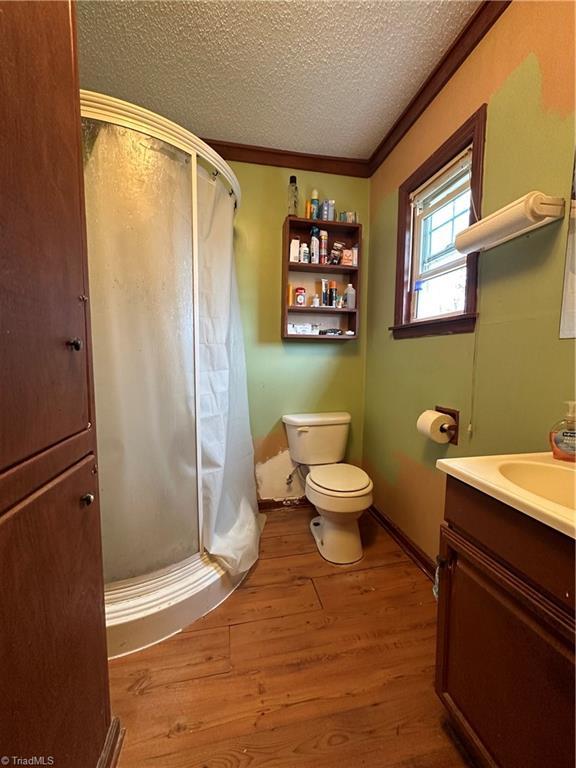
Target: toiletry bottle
[
  {"x": 314, "y": 205},
  {"x": 323, "y": 246},
  {"x": 315, "y": 245},
  {"x": 350, "y": 296},
  {"x": 332, "y": 294},
  {"x": 324, "y": 292},
  {"x": 295, "y": 249},
  {"x": 563, "y": 435},
  {"x": 292, "y": 197},
  {"x": 300, "y": 296},
  {"x": 304, "y": 253}
]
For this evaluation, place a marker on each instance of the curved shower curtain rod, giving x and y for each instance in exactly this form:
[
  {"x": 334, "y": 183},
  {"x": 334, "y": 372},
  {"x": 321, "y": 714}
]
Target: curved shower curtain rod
[{"x": 100, "y": 106}]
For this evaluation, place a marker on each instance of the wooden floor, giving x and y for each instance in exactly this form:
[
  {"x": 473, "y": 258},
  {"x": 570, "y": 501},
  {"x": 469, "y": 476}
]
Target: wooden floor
[{"x": 306, "y": 665}]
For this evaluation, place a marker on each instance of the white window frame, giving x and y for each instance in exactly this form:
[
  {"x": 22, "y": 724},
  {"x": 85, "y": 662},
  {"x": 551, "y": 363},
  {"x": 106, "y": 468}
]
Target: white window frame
[{"x": 432, "y": 186}]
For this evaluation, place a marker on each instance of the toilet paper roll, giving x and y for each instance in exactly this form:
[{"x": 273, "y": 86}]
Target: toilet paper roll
[{"x": 429, "y": 424}]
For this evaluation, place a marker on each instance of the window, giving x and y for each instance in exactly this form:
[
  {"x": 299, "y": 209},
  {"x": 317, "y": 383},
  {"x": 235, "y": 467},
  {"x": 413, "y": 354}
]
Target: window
[
  {"x": 435, "y": 284},
  {"x": 440, "y": 210}
]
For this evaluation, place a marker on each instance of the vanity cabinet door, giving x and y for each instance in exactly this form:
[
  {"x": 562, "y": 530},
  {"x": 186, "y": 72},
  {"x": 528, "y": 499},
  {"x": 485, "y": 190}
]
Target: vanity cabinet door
[
  {"x": 54, "y": 700},
  {"x": 505, "y": 662},
  {"x": 43, "y": 322}
]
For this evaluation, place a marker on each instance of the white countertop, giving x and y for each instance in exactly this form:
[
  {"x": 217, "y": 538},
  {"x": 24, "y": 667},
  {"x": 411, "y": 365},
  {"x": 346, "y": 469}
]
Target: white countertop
[{"x": 536, "y": 484}]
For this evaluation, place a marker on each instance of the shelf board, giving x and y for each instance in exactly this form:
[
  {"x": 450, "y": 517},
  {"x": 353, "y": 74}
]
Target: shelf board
[
  {"x": 324, "y": 223},
  {"x": 297, "y": 266},
  {"x": 316, "y": 337},
  {"x": 322, "y": 310}
]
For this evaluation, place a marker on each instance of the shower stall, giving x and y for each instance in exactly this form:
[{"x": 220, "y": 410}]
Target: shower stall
[{"x": 180, "y": 525}]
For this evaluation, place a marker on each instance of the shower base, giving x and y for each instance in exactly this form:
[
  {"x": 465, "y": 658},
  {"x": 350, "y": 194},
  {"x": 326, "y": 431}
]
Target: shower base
[{"x": 145, "y": 610}]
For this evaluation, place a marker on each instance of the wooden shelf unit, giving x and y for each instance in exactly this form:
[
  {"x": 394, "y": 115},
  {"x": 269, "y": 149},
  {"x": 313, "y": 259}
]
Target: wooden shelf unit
[{"x": 308, "y": 275}]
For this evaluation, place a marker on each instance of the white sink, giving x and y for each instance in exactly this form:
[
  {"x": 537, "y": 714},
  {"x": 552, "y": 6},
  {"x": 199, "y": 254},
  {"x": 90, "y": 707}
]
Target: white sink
[{"x": 533, "y": 483}]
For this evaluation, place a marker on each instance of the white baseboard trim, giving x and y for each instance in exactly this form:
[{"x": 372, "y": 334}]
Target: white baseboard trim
[{"x": 146, "y": 609}]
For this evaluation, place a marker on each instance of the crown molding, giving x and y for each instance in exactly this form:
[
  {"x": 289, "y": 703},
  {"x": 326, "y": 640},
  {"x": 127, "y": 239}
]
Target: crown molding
[
  {"x": 480, "y": 23},
  {"x": 247, "y": 153}
]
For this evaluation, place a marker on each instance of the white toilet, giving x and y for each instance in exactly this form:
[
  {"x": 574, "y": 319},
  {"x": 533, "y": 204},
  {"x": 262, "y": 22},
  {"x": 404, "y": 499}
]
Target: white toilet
[{"x": 340, "y": 492}]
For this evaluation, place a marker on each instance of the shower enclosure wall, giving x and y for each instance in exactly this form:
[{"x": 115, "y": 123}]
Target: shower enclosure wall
[{"x": 179, "y": 517}]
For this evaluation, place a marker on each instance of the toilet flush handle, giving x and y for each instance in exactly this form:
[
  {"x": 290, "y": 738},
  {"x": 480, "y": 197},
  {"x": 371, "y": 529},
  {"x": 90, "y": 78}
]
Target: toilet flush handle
[{"x": 302, "y": 429}]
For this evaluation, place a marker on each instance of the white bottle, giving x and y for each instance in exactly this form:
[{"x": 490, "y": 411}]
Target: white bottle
[
  {"x": 315, "y": 246},
  {"x": 350, "y": 295},
  {"x": 304, "y": 253}
]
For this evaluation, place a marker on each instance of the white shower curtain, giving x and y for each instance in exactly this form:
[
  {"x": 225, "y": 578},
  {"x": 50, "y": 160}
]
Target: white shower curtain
[
  {"x": 139, "y": 221},
  {"x": 139, "y": 224},
  {"x": 232, "y": 524}
]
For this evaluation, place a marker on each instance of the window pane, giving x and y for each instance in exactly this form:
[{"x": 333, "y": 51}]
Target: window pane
[
  {"x": 462, "y": 203},
  {"x": 440, "y": 240},
  {"x": 461, "y": 222},
  {"x": 441, "y": 295},
  {"x": 441, "y": 216},
  {"x": 439, "y": 230}
]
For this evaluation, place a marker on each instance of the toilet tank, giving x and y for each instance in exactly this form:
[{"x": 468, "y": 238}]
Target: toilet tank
[{"x": 317, "y": 438}]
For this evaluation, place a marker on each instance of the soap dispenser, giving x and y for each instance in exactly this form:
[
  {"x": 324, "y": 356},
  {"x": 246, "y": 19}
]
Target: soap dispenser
[{"x": 563, "y": 435}]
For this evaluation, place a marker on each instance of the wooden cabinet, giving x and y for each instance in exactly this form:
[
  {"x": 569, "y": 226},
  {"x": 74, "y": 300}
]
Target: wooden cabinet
[
  {"x": 309, "y": 276},
  {"x": 55, "y": 686},
  {"x": 55, "y": 701},
  {"x": 43, "y": 376},
  {"x": 505, "y": 654}
]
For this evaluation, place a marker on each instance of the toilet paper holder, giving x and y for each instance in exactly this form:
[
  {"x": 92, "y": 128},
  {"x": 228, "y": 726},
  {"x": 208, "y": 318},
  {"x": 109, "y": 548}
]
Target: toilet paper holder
[{"x": 450, "y": 429}]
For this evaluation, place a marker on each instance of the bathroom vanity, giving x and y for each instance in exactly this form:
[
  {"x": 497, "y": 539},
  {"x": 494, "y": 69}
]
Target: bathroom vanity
[{"x": 505, "y": 652}]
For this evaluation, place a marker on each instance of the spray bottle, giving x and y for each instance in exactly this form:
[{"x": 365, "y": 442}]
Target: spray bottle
[{"x": 314, "y": 205}]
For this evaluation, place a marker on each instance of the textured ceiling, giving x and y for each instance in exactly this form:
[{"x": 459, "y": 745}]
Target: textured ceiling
[{"x": 323, "y": 77}]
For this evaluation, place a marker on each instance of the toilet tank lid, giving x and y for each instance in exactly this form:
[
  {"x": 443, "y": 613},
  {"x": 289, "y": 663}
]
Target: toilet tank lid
[{"x": 317, "y": 419}]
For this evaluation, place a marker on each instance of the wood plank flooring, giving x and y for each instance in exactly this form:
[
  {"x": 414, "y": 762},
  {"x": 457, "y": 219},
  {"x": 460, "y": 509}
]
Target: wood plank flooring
[{"x": 306, "y": 665}]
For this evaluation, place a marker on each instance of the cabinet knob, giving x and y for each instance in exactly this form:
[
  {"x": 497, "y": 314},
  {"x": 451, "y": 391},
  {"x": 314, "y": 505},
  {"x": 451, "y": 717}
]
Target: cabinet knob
[
  {"x": 75, "y": 344},
  {"x": 87, "y": 499}
]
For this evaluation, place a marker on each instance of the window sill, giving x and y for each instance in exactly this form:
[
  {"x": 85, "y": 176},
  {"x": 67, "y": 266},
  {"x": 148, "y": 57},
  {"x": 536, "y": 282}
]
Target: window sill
[{"x": 437, "y": 326}]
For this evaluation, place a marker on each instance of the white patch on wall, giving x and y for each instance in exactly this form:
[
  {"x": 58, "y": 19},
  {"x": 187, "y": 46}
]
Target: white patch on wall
[{"x": 271, "y": 478}]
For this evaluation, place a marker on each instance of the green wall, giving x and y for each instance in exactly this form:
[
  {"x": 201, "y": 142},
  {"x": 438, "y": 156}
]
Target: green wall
[
  {"x": 509, "y": 378},
  {"x": 292, "y": 376}
]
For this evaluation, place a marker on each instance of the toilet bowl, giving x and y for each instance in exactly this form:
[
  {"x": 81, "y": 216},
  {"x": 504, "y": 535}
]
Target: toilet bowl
[{"x": 340, "y": 493}]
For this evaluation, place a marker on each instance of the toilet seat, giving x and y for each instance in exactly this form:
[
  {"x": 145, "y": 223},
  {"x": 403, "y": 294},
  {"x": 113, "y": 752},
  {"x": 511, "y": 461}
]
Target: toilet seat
[{"x": 339, "y": 480}]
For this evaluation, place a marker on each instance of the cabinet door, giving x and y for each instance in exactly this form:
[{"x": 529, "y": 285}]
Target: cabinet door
[
  {"x": 43, "y": 379},
  {"x": 53, "y": 672},
  {"x": 505, "y": 664}
]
